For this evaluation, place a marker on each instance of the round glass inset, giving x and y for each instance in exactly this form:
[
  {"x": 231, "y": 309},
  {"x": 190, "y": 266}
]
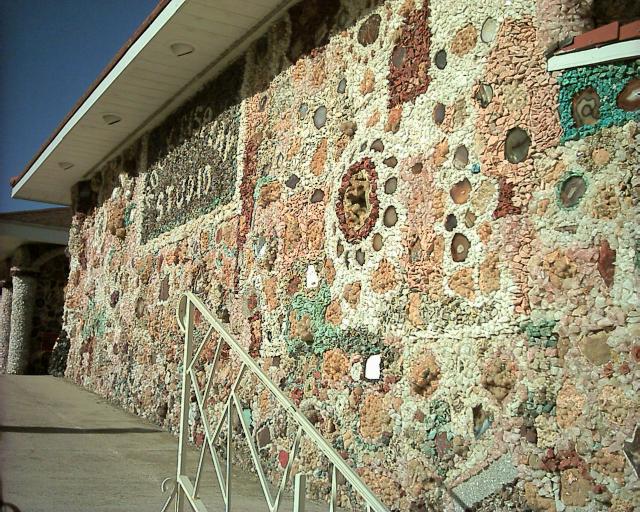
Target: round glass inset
[
  {"x": 398, "y": 55},
  {"x": 441, "y": 59},
  {"x": 585, "y": 107},
  {"x": 390, "y": 217},
  {"x": 517, "y": 145},
  {"x": 489, "y": 30},
  {"x": 438, "y": 113},
  {"x": 377, "y": 242},
  {"x": 572, "y": 189},
  {"x": 320, "y": 117},
  {"x": 391, "y": 185},
  {"x": 484, "y": 95}
]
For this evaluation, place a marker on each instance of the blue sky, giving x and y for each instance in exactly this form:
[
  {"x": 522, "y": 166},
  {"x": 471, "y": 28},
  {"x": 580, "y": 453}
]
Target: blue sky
[{"x": 50, "y": 52}]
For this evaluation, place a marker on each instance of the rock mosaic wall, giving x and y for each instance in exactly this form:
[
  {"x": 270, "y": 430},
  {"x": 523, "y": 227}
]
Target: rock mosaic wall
[{"x": 430, "y": 242}]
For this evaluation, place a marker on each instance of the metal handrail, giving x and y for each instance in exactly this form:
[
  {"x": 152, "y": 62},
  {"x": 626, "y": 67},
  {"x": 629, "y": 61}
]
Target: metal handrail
[{"x": 187, "y": 491}]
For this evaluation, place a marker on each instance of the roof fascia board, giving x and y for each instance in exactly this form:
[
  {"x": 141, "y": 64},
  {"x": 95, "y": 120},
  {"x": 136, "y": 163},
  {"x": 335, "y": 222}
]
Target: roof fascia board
[
  {"x": 612, "y": 52},
  {"x": 122, "y": 64}
]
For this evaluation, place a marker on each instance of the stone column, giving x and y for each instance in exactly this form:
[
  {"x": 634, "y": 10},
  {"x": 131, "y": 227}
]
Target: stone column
[
  {"x": 22, "y": 305},
  {"x": 5, "y": 323}
]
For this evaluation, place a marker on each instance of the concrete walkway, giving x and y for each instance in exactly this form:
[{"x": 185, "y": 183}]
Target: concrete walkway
[{"x": 63, "y": 449}]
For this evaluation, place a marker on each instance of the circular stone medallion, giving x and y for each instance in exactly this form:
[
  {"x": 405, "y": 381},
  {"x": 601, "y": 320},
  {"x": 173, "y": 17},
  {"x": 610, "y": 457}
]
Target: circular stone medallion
[{"x": 357, "y": 204}]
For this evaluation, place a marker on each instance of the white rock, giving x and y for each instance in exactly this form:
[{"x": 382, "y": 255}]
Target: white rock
[
  {"x": 312, "y": 277},
  {"x": 372, "y": 367}
]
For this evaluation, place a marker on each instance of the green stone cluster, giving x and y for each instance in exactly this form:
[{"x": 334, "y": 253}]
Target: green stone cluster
[
  {"x": 539, "y": 403},
  {"x": 607, "y": 80},
  {"x": 325, "y": 335},
  {"x": 96, "y": 324},
  {"x": 541, "y": 333}
]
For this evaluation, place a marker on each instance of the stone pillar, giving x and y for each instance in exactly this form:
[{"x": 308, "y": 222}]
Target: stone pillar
[
  {"x": 22, "y": 305},
  {"x": 5, "y": 323}
]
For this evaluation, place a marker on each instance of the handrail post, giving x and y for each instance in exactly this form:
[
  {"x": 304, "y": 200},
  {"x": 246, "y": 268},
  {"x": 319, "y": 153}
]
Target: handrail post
[
  {"x": 229, "y": 454},
  {"x": 299, "y": 492},
  {"x": 184, "y": 404}
]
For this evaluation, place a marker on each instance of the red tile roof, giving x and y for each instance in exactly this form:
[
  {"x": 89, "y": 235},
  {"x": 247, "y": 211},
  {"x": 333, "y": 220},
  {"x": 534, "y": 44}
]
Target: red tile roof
[{"x": 602, "y": 36}]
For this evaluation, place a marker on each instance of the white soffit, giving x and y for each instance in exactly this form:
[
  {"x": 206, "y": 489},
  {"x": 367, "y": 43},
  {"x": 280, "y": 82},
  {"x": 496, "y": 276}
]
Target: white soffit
[
  {"x": 146, "y": 85},
  {"x": 617, "y": 51}
]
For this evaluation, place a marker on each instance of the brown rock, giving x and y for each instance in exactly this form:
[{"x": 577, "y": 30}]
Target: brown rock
[
  {"x": 115, "y": 219},
  {"x": 600, "y": 156},
  {"x": 462, "y": 283},
  {"x": 373, "y": 120},
  {"x": 300, "y": 327},
  {"x": 424, "y": 374},
  {"x": 414, "y": 309},
  {"x": 384, "y": 278},
  {"x": 351, "y": 293},
  {"x": 335, "y": 365},
  {"x": 269, "y": 193},
  {"x": 606, "y": 262},
  {"x": 464, "y": 40},
  {"x": 393, "y": 121},
  {"x": 537, "y": 502},
  {"x": 569, "y": 405},
  {"x": 294, "y": 285},
  {"x": 594, "y": 347},
  {"x": 270, "y": 292},
  {"x": 489, "y": 279},
  {"x": 440, "y": 153},
  {"x": 574, "y": 488},
  {"x": 374, "y": 418},
  {"x": 292, "y": 233},
  {"x": 329, "y": 271},
  {"x": 348, "y": 128},
  {"x": 498, "y": 378},
  {"x": 368, "y": 82},
  {"x": 460, "y": 191},
  {"x": 319, "y": 158},
  {"x": 333, "y": 315},
  {"x": 483, "y": 196}
]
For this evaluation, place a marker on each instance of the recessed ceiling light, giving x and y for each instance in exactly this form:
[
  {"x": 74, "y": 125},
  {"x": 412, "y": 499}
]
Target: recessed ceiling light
[
  {"x": 182, "y": 49},
  {"x": 65, "y": 165},
  {"x": 111, "y": 118}
]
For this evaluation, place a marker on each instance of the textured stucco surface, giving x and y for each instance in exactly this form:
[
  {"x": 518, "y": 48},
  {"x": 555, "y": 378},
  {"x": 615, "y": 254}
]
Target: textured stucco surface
[
  {"x": 5, "y": 326},
  {"x": 387, "y": 203},
  {"x": 22, "y": 306}
]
